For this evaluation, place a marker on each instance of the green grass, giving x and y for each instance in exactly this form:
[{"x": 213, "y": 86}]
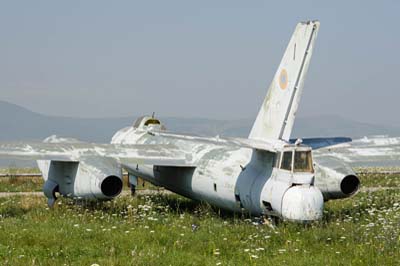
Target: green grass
[
  {"x": 21, "y": 184},
  {"x": 13, "y": 182},
  {"x": 157, "y": 230},
  {"x": 380, "y": 180},
  {"x": 16, "y": 183},
  {"x": 35, "y": 183},
  {"x": 15, "y": 170}
]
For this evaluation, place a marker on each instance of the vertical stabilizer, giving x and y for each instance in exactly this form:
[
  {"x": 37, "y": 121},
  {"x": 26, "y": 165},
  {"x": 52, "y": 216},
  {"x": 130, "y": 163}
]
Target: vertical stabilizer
[{"x": 277, "y": 113}]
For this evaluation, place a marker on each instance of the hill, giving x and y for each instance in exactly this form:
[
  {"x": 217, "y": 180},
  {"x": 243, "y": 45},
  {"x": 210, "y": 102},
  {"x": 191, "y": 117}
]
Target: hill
[{"x": 18, "y": 123}]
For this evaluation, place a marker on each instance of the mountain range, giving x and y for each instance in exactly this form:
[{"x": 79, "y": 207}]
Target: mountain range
[{"x": 18, "y": 123}]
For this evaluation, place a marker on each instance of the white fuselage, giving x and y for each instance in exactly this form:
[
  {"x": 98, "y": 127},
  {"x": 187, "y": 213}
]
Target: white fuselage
[
  {"x": 233, "y": 178},
  {"x": 214, "y": 178}
]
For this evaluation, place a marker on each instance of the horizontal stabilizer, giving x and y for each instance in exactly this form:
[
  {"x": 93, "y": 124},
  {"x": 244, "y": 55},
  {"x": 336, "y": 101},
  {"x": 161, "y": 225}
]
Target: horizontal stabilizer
[{"x": 317, "y": 143}]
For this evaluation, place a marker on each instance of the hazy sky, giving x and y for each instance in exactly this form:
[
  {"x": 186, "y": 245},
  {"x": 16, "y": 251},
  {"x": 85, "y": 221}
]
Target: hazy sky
[{"x": 212, "y": 59}]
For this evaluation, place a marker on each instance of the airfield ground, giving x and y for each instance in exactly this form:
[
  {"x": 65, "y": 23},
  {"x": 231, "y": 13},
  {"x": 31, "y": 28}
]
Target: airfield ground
[{"x": 165, "y": 229}]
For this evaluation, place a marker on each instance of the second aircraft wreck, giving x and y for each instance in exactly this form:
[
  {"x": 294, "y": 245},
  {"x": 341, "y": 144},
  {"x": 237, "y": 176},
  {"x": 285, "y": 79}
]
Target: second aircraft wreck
[{"x": 264, "y": 174}]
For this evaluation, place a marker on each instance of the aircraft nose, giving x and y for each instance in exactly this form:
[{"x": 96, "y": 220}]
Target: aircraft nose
[{"x": 303, "y": 203}]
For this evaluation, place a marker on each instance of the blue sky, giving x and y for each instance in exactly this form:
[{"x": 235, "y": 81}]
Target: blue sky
[{"x": 212, "y": 59}]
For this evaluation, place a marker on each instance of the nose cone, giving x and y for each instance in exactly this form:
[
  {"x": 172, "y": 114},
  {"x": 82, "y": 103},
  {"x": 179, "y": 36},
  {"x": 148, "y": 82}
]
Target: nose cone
[{"x": 302, "y": 203}]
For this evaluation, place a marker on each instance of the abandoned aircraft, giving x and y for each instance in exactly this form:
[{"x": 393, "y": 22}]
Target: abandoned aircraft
[{"x": 264, "y": 174}]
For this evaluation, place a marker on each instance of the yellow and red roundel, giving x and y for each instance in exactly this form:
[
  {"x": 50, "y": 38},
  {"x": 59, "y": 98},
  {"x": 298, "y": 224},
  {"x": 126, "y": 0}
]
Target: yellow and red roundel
[{"x": 283, "y": 79}]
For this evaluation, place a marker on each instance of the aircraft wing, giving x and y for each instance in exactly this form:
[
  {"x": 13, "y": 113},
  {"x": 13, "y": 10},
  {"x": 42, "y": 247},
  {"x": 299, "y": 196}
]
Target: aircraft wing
[
  {"x": 265, "y": 145},
  {"x": 163, "y": 155},
  {"x": 366, "y": 152}
]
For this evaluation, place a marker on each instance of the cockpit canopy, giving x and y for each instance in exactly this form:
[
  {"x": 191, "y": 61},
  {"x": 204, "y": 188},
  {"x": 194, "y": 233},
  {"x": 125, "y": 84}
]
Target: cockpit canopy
[
  {"x": 295, "y": 159},
  {"x": 148, "y": 121}
]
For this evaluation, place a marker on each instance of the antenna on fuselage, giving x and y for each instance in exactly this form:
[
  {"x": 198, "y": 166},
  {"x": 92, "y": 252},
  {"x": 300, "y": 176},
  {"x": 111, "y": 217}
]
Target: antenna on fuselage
[
  {"x": 298, "y": 142},
  {"x": 152, "y": 116}
]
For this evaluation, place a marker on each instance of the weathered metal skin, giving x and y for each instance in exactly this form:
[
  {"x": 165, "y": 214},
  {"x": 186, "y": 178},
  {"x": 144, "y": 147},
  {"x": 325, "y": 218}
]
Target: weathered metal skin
[
  {"x": 375, "y": 151},
  {"x": 233, "y": 178},
  {"x": 335, "y": 179},
  {"x": 303, "y": 203},
  {"x": 82, "y": 180},
  {"x": 277, "y": 113},
  {"x": 215, "y": 164},
  {"x": 334, "y": 175},
  {"x": 90, "y": 178}
]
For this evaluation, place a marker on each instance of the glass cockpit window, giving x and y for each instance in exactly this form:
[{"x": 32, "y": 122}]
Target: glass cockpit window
[
  {"x": 152, "y": 121},
  {"x": 303, "y": 161},
  {"x": 287, "y": 161}
]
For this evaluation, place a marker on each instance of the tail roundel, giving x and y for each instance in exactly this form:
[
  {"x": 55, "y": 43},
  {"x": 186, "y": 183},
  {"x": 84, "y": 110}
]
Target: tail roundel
[{"x": 277, "y": 113}]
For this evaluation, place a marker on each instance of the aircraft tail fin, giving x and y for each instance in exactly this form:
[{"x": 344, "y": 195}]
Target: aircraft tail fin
[{"x": 277, "y": 113}]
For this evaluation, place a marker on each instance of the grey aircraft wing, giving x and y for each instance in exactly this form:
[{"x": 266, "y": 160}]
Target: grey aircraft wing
[
  {"x": 379, "y": 151},
  {"x": 163, "y": 155}
]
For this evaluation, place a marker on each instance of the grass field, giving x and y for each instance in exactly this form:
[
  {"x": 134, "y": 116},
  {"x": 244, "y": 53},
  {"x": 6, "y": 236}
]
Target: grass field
[
  {"x": 171, "y": 230},
  {"x": 14, "y": 182}
]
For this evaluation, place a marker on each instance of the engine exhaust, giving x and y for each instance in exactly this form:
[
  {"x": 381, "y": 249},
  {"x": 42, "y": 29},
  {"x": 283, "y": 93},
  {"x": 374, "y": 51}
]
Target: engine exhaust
[
  {"x": 350, "y": 184},
  {"x": 111, "y": 186}
]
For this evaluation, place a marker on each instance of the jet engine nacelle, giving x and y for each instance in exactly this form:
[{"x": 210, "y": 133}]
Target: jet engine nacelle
[
  {"x": 335, "y": 179},
  {"x": 90, "y": 178},
  {"x": 82, "y": 180}
]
